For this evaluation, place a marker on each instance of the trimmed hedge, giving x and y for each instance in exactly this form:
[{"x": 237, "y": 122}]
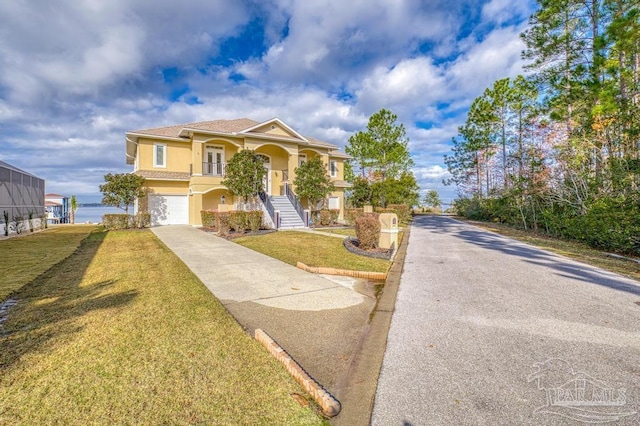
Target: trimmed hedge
[
  {"x": 350, "y": 215},
  {"x": 115, "y": 222},
  {"x": 325, "y": 217},
  {"x": 141, "y": 220},
  {"x": 335, "y": 214},
  {"x": 254, "y": 220},
  {"x": 401, "y": 210},
  {"x": 208, "y": 218},
  {"x": 239, "y": 221},
  {"x": 368, "y": 231}
]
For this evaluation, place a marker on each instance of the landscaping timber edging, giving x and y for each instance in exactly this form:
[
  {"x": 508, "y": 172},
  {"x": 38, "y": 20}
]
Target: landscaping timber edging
[
  {"x": 330, "y": 405},
  {"x": 382, "y": 276}
]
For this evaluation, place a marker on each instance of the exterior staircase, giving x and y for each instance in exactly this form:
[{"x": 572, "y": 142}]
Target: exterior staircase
[{"x": 289, "y": 217}]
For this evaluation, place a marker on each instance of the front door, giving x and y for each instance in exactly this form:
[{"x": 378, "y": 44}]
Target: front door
[{"x": 266, "y": 179}]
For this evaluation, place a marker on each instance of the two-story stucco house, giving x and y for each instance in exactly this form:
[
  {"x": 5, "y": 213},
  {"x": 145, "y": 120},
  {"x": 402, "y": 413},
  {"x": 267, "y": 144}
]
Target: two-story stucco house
[{"x": 184, "y": 166}]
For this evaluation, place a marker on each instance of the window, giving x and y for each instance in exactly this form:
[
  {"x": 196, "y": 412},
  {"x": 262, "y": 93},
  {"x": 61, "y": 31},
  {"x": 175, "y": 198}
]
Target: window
[
  {"x": 159, "y": 155},
  {"x": 302, "y": 158},
  {"x": 333, "y": 168},
  {"x": 334, "y": 203}
]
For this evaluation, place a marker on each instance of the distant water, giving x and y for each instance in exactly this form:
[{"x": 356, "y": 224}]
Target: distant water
[{"x": 94, "y": 214}]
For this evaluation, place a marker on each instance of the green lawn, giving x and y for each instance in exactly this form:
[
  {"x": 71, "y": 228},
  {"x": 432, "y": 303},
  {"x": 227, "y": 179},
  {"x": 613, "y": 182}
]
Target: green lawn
[
  {"x": 121, "y": 332},
  {"x": 23, "y": 258},
  {"x": 311, "y": 249},
  {"x": 350, "y": 232}
]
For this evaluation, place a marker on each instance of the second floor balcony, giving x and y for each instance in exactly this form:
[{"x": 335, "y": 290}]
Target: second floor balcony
[{"x": 214, "y": 169}]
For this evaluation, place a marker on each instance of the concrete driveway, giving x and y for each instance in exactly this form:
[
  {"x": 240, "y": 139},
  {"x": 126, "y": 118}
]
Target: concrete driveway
[
  {"x": 487, "y": 331},
  {"x": 236, "y": 274},
  {"x": 318, "y": 320}
]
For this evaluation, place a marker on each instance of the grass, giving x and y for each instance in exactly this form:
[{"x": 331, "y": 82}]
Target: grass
[
  {"x": 572, "y": 249},
  {"x": 121, "y": 332},
  {"x": 311, "y": 249},
  {"x": 24, "y": 258},
  {"x": 349, "y": 232}
]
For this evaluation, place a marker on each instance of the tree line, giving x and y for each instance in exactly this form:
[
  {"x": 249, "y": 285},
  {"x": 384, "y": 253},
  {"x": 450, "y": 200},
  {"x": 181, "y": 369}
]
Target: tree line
[{"x": 558, "y": 150}]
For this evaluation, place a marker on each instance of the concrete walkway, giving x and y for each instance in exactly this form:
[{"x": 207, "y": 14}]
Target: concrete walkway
[
  {"x": 318, "y": 320},
  {"x": 236, "y": 274}
]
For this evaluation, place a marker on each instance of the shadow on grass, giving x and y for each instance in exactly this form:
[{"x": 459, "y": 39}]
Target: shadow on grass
[
  {"x": 49, "y": 308},
  {"x": 491, "y": 241}
]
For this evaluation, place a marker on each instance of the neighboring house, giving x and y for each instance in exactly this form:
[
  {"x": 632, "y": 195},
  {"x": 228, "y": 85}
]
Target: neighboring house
[
  {"x": 57, "y": 208},
  {"x": 184, "y": 166},
  {"x": 21, "y": 194}
]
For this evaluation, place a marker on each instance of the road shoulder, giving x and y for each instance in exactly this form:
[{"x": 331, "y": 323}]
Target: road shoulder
[{"x": 357, "y": 389}]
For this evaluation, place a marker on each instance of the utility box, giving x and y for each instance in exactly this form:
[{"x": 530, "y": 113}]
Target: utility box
[
  {"x": 388, "y": 230},
  {"x": 368, "y": 209}
]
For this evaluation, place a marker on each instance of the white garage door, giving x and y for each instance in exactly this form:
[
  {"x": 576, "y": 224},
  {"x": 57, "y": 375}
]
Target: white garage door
[{"x": 169, "y": 209}]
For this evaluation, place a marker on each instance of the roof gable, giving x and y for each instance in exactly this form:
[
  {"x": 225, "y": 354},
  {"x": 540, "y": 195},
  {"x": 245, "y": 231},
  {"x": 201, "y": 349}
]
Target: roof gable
[{"x": 274, "y": 127}]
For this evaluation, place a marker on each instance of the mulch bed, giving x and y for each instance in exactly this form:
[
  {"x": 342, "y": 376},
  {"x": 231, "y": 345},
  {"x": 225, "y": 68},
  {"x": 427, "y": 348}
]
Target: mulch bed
[{"x": 351, "y": 244}]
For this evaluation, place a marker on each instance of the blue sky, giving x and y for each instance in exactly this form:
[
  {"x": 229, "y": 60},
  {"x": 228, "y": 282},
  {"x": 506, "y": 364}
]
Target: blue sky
[{"x": 75, "y": 75}]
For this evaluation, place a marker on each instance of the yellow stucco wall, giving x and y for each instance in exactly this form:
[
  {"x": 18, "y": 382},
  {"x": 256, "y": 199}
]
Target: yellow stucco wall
[
  {"x": 212, "y": 199},
  {"x": 162, "y": 187},
  {"x": 178, "y": 155},
  {"x": 274, "y": 129}
]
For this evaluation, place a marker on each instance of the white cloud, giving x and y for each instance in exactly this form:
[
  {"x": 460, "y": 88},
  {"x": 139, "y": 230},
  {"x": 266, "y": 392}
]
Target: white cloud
[
  {"x": 60, "y": 48},
  {"x": 410, "y": 84},
  {"x": 332, "y": 41},
  {"x": 501, "y": 11},
  {"x": 497, "y": 56}
]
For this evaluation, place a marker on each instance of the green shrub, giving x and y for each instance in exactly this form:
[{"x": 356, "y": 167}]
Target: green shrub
[
  {"x": 238, "y": 220},
  {"x": 325, "y": 217},
  {"x": 141, "y": 220},
  {"x": 367, "y": 231},
  {"x": 350, "y": 215},
  {"x": 254, "y": 220},
  {"x": 335, "y": 214},
  {"x": 114, "y": 222},
  {"x": 222, "y": 223},
  {"x": 208, "y": 218},
  {"x": 402, "y": 210}
]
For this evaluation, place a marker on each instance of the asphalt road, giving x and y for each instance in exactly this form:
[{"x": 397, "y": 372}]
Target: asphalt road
[{"x": 489, "y": 331}]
